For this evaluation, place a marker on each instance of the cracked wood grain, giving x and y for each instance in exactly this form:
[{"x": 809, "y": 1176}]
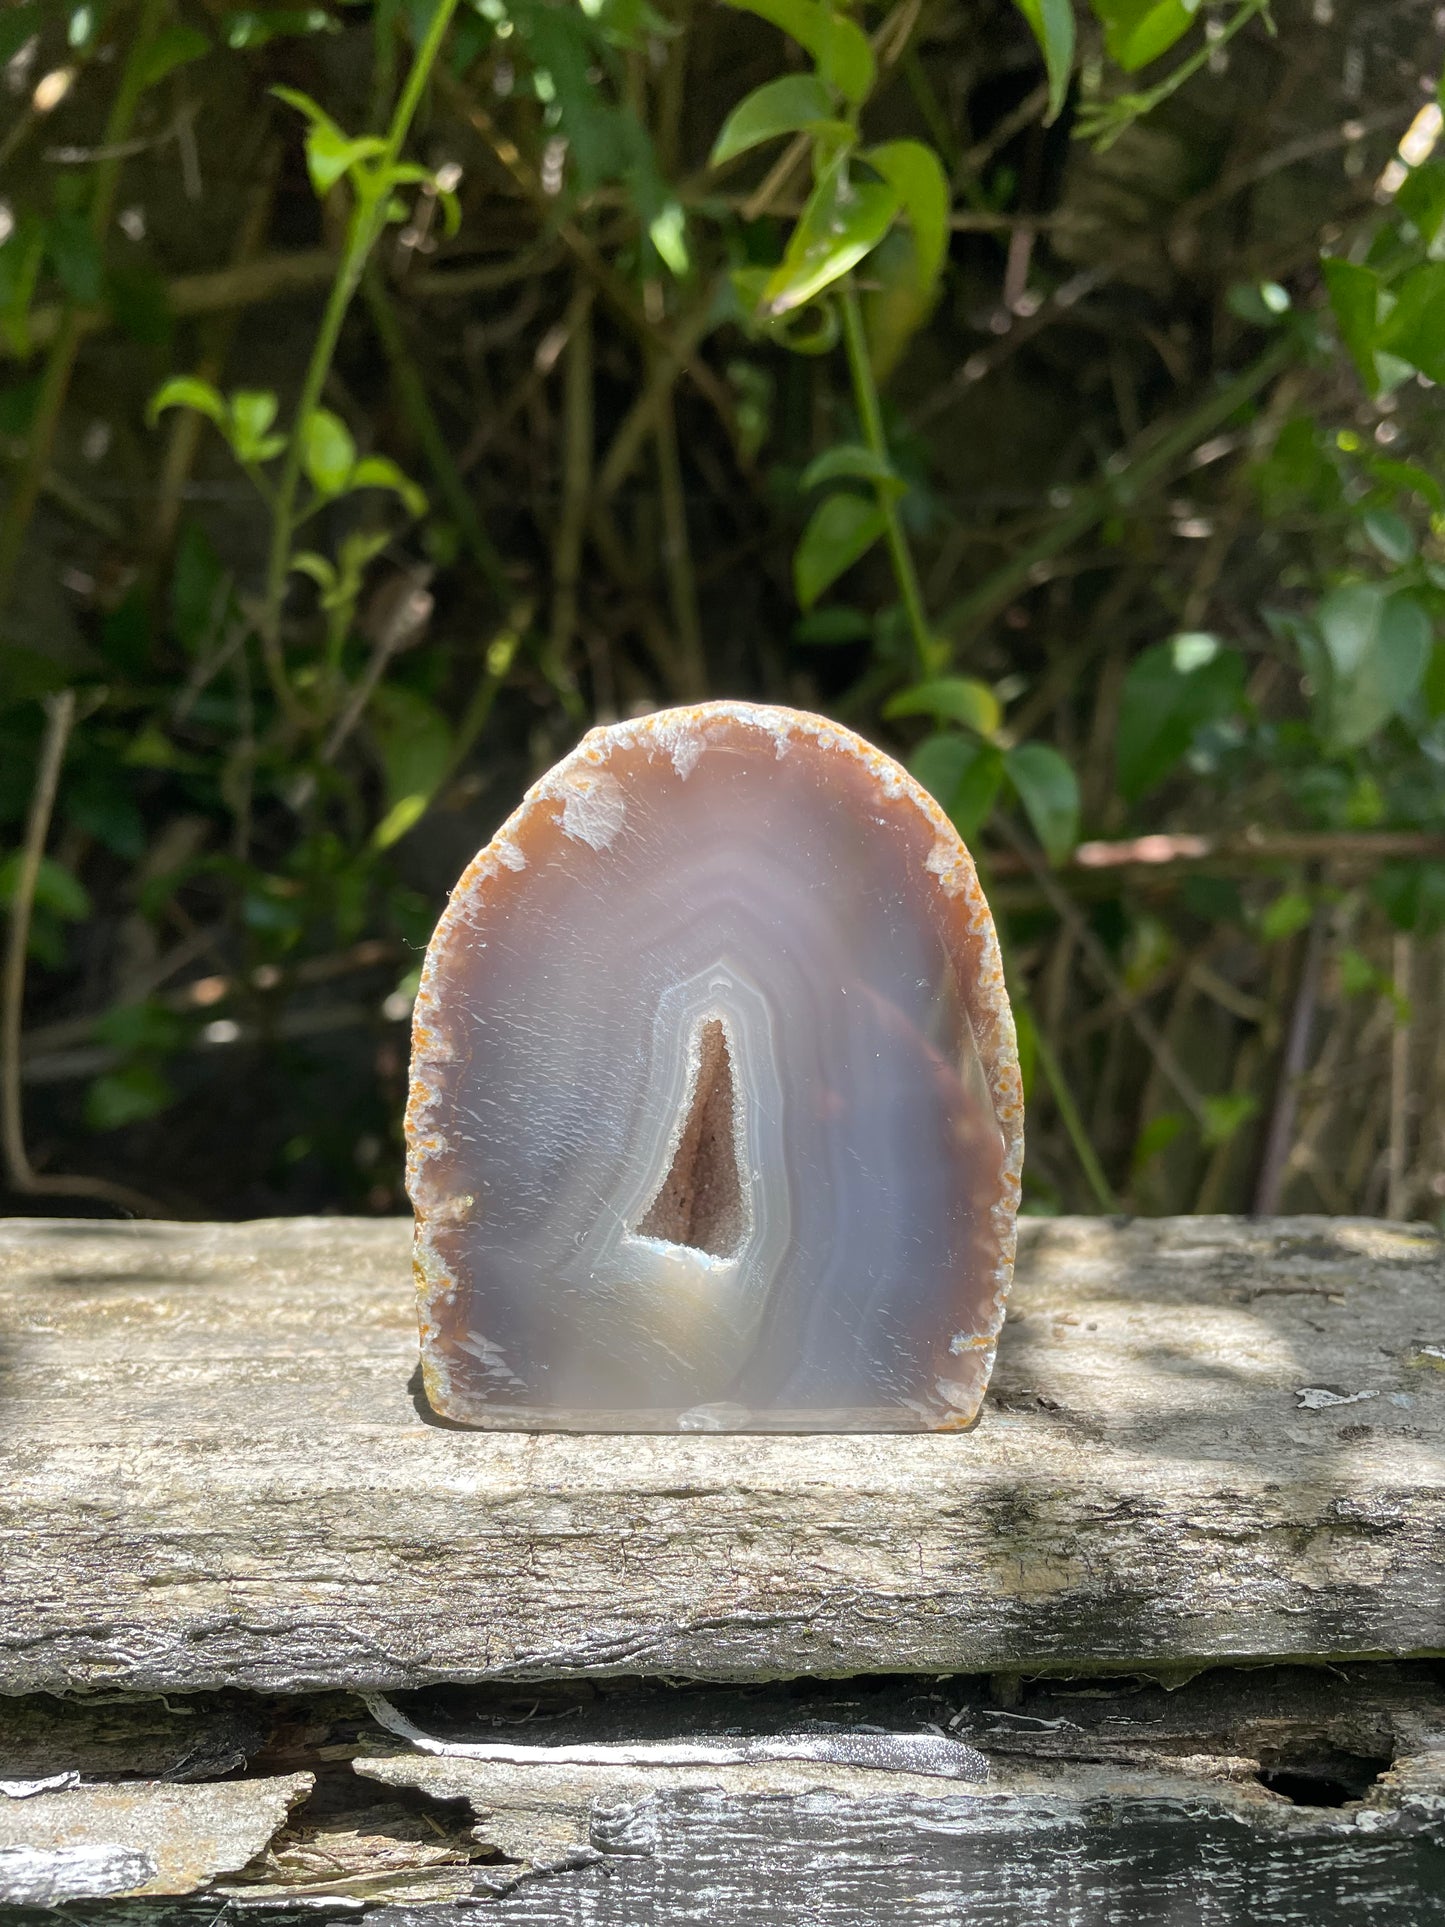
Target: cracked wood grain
[{"x": 214, "y": 1472}]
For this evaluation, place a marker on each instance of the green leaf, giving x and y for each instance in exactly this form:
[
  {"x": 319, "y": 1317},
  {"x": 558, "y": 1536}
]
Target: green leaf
[
  {"x": 840, "y": 49},
  {"x": 950, "y": 699},
  {"x": 401, "y": 817},
  {"x": 1421, "y": 199},
  {"x": 187, "y": 391},
  {"x": 56, "y": 889},
  {"x": 841, "y": 222},
  {"x": 143, "y": 1026},
  {"x": 1225, "y": 1113},
  {"x": 1052, "y": 25},
  {"x": 327, "y": 452},
  {"x": 1138, "y": 31},
  {"x": 1354, "y": 293},
  {"x": 20, "y": 259},
  {"x": 76, "y": 258},
  {"x": 1290, "y": 912},
  {"x": 252, "y": 412},
  {"x": 850, "y": 459},
  {"x": 1170, "y": 692},
  {"x": 416, "y": 746},
  {"x": 916, "y": 175},
  {"x": 1049, "y": 792},
  {"x": 783, "y": 106},
  {"x": 841, "y": 528},
  {"x": 309, "y": 563},
  {"x": 1376, "y": 648},
  {"x": 1412, "y": 896},
  {"x": 667, "y": 231},
  {"x": 1156, "y": 1137},
  {"x": 377, "y": 471},
  {"x": 249, "y": 29},
  {"x": 1414, "y": 329},
  {"x": 1390, "y": 534},
  {"x": 965, "y": 776},
  {"x": 172, "y": 47},
  {"x": 126, "y": 1096},
  {"x": 330, "y": 154}
]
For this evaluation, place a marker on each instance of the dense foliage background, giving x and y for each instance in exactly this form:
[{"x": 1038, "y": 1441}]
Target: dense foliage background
[{"x": 388, "y": 392}]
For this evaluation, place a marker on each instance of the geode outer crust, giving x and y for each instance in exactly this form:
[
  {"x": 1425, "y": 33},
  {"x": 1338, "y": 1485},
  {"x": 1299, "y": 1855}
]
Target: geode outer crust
[{"x": 715, "y": 1118}]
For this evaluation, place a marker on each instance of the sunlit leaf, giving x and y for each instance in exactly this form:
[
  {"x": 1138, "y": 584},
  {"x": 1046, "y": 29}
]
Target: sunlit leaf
[
  {"x": 841, "y": 222},
  {"x": 328, "y": 452},
  {"x": 377, "y": 471},
  {"x": 780, "y": 107},
  {"x": 839, "y": 48},
  {"x": 186, "y": 391},
  {"x": 252, "y": 412},
  {"x": 851, "y": 459},
  {"x": 916, "y": 175},
  {"x": 1138, "y": 31},
  {"x": 1052, "y": 24},
  {"x": 950, "y": 699},
  {"x": 841, "y": 529}
]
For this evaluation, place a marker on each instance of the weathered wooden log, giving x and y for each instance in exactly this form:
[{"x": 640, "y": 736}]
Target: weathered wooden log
[
  {"x": 1279, "y": 1795},
  {"x": 1206, "y": 1440}
]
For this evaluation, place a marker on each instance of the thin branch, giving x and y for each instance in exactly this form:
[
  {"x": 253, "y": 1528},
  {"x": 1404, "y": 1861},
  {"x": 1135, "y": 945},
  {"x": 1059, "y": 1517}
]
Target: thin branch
[
  {"x": 1275, "y": 1163},
  {"x": 59, "y": 721},
  {"x": 1152, "y": 1037}
]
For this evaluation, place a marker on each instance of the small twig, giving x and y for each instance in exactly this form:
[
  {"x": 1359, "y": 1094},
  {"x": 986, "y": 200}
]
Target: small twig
[
  {"x": 1397, "y": 1194},
  {"x": 1153, "y": 1038},
  {"x": 1105, "y": 1196},
  {"x": 1275, "y": 1161},
  {"x": 1253, "y": 850},
  {"x": 417, "y": 404},
  {"x": 677, "y": 559},
  {"x": 577, "y": 437},
  {"x": 870, "y": 412},
  {"x": 59, "y": 721}
]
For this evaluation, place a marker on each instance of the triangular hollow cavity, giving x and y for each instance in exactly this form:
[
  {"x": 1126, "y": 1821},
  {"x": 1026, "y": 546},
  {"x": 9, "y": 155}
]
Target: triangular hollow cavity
[{"x": 700, "y": 1201}]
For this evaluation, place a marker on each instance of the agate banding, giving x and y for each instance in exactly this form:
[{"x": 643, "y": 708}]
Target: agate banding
[{"x": 715, "y": 1117}]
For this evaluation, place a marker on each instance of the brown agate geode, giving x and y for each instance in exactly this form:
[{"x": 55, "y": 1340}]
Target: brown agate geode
[{"x": 715, "y": 1116}]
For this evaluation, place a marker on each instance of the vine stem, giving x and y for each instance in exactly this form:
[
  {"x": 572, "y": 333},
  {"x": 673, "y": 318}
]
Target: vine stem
[
  {"x": 870, "y": 415},
  {"x": 59, "y": 721},
  {"x": 364, "y": 228}
]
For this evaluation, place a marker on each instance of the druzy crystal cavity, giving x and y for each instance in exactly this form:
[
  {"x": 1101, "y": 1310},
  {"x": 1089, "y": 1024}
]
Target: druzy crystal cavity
[{"x": 715, "y": 1116}]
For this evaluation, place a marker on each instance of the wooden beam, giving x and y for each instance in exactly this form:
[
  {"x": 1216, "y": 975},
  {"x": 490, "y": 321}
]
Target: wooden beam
[{"x": 1207, "y": 1440}]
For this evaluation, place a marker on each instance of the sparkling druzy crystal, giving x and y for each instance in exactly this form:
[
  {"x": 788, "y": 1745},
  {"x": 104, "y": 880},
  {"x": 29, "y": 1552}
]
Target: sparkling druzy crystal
[{"x": 715, "y": 1116}]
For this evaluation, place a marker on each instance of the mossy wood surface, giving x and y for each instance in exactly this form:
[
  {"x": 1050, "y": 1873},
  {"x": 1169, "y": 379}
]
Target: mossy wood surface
[{"x": 1206, "y": 1440}]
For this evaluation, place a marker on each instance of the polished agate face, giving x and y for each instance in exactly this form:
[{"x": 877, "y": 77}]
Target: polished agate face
[{"x": 715, "y": 1118}]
